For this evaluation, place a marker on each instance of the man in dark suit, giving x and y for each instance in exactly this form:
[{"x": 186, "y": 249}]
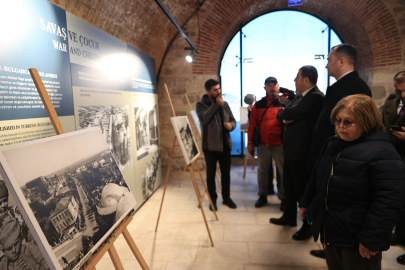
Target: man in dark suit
[
  {"x": 300, "y": 116},
  {"x": 341, "y": 61},
  {"x": 394, "y": 114}
]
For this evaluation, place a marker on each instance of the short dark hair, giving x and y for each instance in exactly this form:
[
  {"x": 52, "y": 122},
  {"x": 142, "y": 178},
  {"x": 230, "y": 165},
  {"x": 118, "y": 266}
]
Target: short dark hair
[
  {"x": 399, "y": 78},
  {"x": 348, "y": 51},
  {"x": 210, "y": 83},
  {"x": 309, "y": 72}
]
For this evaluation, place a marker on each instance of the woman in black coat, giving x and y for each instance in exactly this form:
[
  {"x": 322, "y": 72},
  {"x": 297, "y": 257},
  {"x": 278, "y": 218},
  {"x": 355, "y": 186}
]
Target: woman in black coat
[{"x": 356, "y": 189}]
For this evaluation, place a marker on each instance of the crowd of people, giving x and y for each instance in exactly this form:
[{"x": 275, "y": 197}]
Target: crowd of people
[{"x": 338, "y": 157}]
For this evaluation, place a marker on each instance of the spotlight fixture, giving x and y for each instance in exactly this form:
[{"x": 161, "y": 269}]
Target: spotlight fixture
[
  {"x": 191, "y": 56},
  {"x": 319, "y": 56}
]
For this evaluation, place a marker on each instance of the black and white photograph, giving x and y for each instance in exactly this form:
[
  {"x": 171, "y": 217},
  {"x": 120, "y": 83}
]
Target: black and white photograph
[
  {"x": 149, "y": 176},
  {"x": 18, "y": 249},
  {"x": 146, "y": 128},
  {"x": 185, "y": 138},
  {"x": 244, "y": 119},
  {"x": 70, "y": 192},
  {"x": 113, "y": 121}
]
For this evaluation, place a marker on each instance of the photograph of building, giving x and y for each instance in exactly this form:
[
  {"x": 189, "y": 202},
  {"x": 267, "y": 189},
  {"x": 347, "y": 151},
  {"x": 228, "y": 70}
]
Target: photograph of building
[
  {"x": 76, "y": 200},
  {"x": 113, "y": 121}
]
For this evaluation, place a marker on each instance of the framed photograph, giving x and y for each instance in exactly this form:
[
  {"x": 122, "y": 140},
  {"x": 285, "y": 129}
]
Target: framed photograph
[
  {"x": 244, "y": 119},
  {"x": 185, "y": 138},
  {"x": 70, "y": 192},
  {"x": 194, "y": 116}
]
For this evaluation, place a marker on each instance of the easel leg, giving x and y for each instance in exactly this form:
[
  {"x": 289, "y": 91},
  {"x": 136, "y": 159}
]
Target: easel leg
[
  {"x": 135, "y": 250},
  {"x": 182, "y": 175},
  {"x": 218, "y": 178},
  {"x": 197, "y": 191},
  {"x": 206, "y": 191},
  {"x": 167, "y": 180},
  {"x": 115, "y": 259},
  {"x": 245, "y": 165}
]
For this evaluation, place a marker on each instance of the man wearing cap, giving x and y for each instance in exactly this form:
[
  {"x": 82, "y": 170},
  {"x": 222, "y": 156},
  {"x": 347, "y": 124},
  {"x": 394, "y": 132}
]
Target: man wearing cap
[
  {"x": 16, "y": 254},
  {"x": 265, "y": 111}
]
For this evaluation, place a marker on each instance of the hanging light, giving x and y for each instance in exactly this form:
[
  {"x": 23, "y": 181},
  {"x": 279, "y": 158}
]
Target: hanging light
[{"x": 191, "y": 56}]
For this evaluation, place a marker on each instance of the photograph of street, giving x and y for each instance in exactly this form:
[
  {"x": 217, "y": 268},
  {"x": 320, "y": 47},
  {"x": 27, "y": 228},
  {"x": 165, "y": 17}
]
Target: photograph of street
[
  {"x": 185, "y": 137},
  {"x": 76, "y": 200},
  {"x": 113, "y": 121},
  {"x": 146, "y": 127}
]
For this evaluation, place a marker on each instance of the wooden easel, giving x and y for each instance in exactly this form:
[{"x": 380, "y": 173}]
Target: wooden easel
[
  {"x": 90, "y": 264},
  {"x": 217, "y": 173},
  {"x": 248, "y": 155},
  {"x": 193, "y": 178}
]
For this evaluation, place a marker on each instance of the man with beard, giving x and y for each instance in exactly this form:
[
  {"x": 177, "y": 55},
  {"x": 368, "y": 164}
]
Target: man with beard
[{"x": 217, "y": 121}]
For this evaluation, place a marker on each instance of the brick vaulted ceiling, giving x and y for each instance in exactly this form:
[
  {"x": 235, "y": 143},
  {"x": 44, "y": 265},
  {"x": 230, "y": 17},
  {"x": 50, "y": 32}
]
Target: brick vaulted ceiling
[{"x": 368, "y": 24}]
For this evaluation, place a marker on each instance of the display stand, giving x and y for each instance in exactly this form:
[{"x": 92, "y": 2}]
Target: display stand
[
  {"x": 193, "y": 178},
  {"x": 248, "y": 155},
  {"x": 217, "y": 173},
  {"x": 90, "y": 264}
]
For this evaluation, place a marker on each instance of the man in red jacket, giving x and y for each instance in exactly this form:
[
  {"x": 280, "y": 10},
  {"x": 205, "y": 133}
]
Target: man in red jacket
[{"x": 265, "y": 112}]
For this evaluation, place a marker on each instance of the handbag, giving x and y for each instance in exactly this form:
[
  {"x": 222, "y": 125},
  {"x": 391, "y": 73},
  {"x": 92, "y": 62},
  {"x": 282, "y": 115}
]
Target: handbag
[{"x": 256, "y": 130}]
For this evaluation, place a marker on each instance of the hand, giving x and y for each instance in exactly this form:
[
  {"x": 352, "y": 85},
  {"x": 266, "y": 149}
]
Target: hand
[
  {"x": 365, "y": 252},
  {"x": 302, "y": 213},
  {"x": 250, "y": 108},
  {"x": 251, "y": 149},
  {"x": 289, "y": 121},
  {"x": 220, "y": 100},
  {"x": 228, "y": 126},
  {"x": 277, "y": 87},
  {"x": 399, "y": 134}
]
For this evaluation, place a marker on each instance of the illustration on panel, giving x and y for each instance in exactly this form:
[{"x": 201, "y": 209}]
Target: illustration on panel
[
  {"x": 70, "y": 189},
  {"x": 113, "y": 122},
  {"x": 146, "y": 128},
  {"x": 185, "y": 138},
  {"x": 150, "y": 175}
]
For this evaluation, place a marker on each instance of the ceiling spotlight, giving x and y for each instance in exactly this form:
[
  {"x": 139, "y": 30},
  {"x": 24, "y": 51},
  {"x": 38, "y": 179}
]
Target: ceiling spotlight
[
  {"x": 190, "y": 57},
  {"x": 319, "y": 56}
]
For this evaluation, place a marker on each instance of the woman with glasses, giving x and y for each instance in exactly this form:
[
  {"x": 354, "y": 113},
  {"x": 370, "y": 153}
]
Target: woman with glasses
[{"x": 356, "y": 189}]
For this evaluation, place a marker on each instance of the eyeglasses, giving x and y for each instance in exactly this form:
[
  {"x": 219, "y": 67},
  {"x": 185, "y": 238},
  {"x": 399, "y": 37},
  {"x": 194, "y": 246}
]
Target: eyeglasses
[{"x": 346, "y": 123}]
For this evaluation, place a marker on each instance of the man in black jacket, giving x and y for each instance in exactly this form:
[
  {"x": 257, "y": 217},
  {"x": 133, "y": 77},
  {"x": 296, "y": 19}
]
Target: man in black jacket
[
  {"x": 300, "y": 116},
  {"x": 394, "y": 114},
  {"x": 341, "y": 62},
  {"x": 217, "y": 121}
]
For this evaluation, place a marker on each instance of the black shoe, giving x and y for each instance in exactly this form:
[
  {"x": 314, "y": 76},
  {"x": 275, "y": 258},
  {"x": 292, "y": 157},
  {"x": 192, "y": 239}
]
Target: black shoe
[
  {"x": 230, "y": 203},
  {"x": 261, "y": 201},
  {"x": 283, "y": 221},
  {"x": 304, "y": 233},
  {"x": 396, "y": 240},
  {"x": 401, "y": 259},
  {"x": 282, "y": 206},
  {"x": 215, "y": 206},
  {"x": 319, "y": 253}
]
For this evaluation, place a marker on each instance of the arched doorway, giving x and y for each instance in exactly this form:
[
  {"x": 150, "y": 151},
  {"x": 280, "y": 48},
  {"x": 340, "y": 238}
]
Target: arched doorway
[{"x": 274, "y": 44}]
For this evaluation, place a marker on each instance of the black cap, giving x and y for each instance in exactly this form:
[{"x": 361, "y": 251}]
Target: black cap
[{"x": 270, "y": 79}]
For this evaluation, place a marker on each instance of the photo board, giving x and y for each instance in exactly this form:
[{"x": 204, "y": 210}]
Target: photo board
[
  {"x": 70, "y": 191},
  {"x": 194, "y": 116},
  {"x": 185, "y": 138},
  {"x": 244, "y": 119}
]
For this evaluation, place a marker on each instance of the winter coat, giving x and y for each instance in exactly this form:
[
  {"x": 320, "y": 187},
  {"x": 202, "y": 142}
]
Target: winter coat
[
  {"x": 212, "y": 127},
  {"x": 356, "y": 192}
]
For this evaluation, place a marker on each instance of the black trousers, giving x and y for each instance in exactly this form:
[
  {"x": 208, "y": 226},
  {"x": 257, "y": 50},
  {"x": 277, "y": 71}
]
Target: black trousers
[
  {"x": 296, "y": 178},
  {"x": 344, "y": 259},
  {"x": 224, "y": 159}
]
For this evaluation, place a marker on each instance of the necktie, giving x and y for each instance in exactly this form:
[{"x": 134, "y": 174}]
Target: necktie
[{"x": 402, "y": 111}]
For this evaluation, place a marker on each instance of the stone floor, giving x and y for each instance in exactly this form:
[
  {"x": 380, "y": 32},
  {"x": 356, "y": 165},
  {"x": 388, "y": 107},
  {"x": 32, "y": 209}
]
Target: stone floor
[{"x": 243, "y": 238}]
